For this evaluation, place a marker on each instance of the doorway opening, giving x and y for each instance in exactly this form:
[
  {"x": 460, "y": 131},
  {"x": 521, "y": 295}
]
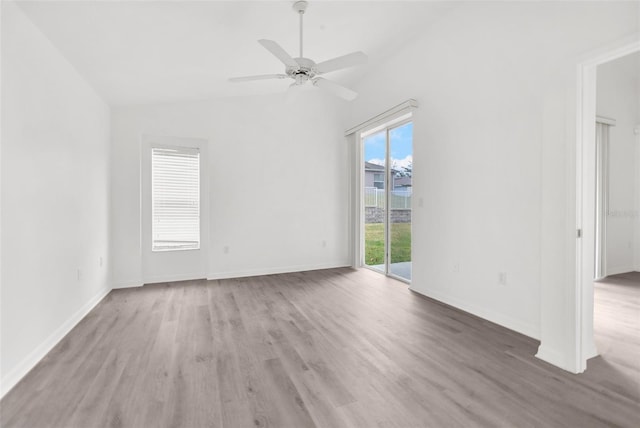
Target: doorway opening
[
  {"x": 607, "y": 213},
  {"x": 617, "y": 224},
  {"x": 387, "y": 172}
]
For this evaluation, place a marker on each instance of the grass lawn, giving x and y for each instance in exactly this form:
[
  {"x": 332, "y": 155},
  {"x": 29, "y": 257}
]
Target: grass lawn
[{"x": 374, "y": 243}]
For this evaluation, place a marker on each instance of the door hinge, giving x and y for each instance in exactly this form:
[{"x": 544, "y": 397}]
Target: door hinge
[{"x": 579, "y": 233}]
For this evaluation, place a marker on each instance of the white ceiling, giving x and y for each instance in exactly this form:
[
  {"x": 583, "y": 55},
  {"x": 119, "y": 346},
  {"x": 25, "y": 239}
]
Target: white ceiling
[{"x": 136, "y": 52}]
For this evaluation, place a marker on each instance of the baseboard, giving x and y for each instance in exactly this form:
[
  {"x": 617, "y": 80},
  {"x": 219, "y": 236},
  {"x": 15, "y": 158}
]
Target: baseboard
[
  {"x": 14, "y": 376},
  {"x": 553, "y": 357},
  {"x": 156, "y": 279},
  {"x": 226, "y": 275},
  {"x": 500, "y": 319},
  {"x": 616, "y": 270},
  {"x": 174, "y": 278},
  {"x": 590, "y": 351},
  {"x": 128, "y": 283},
  {"x": 276, "y": 270}
]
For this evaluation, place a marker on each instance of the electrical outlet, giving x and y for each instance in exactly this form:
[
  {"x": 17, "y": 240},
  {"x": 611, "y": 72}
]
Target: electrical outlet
[
  {"x": 324, "y": 244},
  {"x": 456, "y": 267},
  {"x": 225, "y": 249},
  {"x": 502, "y": 278},
  {"x": 79, "y": 274},
  {"x": 100, "y": 261}
]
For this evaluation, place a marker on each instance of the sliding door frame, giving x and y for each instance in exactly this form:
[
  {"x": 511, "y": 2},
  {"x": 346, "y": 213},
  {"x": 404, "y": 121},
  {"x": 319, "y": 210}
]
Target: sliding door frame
[
  {"x": 387, "y": 126},
  {"x": 353, "y": 137}
]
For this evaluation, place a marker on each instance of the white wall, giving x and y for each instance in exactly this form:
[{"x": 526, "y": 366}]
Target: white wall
[
  {"x": 55, "y": 196},
  {"x": 494, "y": 156},
  {"x": 618, "y": 98},
  {"x": 278, "y": 183}
]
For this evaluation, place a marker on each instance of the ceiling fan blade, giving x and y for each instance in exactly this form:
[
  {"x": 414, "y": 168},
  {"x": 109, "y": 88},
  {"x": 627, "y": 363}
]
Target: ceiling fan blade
[
  {"x": 279, "y": 53},
  {"x": 344, "y": 61},
  {"x": 258, "y": 77},
  {"x": 336, "y": 89}
]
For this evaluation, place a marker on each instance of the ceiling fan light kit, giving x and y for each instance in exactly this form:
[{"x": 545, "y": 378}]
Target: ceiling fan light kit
[{"x": 303, "y": 70}]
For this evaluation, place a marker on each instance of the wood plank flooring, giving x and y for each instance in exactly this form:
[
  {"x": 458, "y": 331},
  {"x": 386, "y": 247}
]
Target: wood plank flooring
[
  {"x": 331, "y": 348},
  {"x": 616, "y": 321}
]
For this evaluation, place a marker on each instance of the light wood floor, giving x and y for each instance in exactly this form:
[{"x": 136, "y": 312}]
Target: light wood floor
[
  {"x": 333, "y": 348},
  {"x": 617, "y": 321}
]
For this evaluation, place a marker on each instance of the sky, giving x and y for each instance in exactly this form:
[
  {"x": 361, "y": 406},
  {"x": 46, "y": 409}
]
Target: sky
[{"x": 401, "y": 146}]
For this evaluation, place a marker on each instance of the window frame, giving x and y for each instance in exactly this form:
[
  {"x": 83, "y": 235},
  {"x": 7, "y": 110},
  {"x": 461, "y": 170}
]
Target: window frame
[
  {"x": 184, "y": 148},
  {"x": 378, "y": 182}
]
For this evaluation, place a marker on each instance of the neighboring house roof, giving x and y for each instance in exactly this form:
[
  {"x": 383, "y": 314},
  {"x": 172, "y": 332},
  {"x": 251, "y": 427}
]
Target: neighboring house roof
[
  {"x": 368, "y": 166},
  {"x": 402, "y": 182}
]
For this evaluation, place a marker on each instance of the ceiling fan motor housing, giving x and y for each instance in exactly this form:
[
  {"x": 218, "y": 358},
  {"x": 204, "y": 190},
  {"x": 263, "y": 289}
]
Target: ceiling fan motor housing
[{"x": 305, "y": 71}]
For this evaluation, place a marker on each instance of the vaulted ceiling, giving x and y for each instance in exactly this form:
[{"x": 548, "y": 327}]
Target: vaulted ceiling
[{"x": 136, "y": 52}]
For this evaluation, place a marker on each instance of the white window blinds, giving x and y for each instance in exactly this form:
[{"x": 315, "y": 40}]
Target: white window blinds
[{"x": 175, "y": 193}]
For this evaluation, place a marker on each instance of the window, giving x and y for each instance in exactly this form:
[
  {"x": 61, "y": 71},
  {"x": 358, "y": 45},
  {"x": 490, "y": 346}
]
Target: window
[
  {"x": 175, "y": 198},
  {"x": 378, "y": 181}
]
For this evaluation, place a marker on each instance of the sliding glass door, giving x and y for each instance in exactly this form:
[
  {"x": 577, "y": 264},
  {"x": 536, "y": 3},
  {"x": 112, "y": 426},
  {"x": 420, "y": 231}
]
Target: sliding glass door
[
  {"x": 375, "y": 201},
  {"x": 387, "y": 191}
]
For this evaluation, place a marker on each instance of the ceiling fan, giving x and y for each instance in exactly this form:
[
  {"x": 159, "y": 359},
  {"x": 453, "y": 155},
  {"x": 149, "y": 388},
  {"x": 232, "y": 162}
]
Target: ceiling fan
[{"x": 303, "y": 70}]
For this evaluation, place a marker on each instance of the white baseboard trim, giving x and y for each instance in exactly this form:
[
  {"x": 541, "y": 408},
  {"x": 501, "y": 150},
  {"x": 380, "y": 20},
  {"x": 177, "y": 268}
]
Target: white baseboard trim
[
  {"x": 616, "y": 270},
  {"x": 276, "y": 270},
  {"x": 554, "y": 357},
  {"x": 226, "y": 275},
  {"x": 173, "y": 278},
  {"x": 14, "y": 376},
  {"x": 590, "y": 351},
  {"x": 500, "y": 319},
  {"x": 128, "y": 284}
]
